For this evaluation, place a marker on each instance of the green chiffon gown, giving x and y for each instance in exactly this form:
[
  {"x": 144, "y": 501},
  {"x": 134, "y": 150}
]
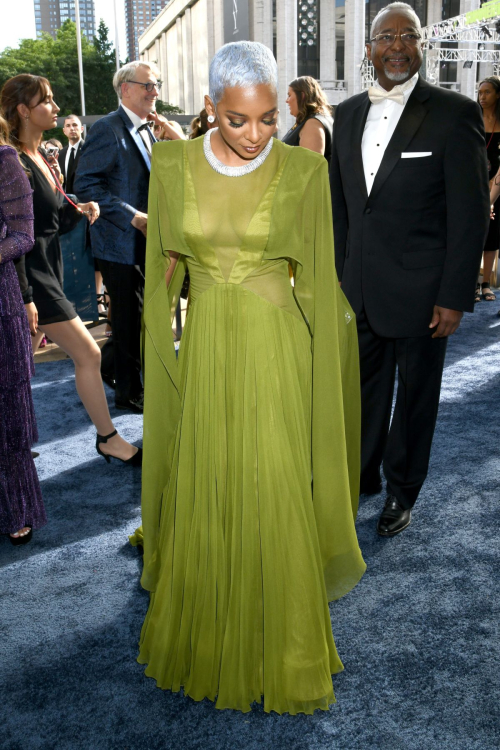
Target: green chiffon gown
[{"x": 242, "y": 550}]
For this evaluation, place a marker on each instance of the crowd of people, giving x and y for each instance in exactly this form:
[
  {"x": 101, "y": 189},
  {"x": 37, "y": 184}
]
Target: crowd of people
[{"x": 277, "y": 381}]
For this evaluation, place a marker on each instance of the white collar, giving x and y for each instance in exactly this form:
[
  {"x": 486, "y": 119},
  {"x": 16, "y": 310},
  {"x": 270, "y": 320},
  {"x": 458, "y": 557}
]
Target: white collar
[
  {"x": 136, "y": 120},
  {"x": 74, "y": 145},
  {"x": 406, "y": 88}
]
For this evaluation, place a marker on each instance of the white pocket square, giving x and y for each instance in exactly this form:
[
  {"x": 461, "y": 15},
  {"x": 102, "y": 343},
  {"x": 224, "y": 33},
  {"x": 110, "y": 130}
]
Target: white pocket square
[{"x": 415, "y": 154}]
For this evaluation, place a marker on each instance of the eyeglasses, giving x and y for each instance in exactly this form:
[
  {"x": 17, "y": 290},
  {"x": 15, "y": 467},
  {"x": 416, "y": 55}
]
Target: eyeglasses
[
  {"x": 149, "y": 86},
  {"x": 387, "y": 40}
]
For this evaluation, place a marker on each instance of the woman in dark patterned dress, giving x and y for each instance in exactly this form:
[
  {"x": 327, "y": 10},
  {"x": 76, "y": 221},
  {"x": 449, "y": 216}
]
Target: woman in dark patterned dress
[{"x": 21, "y": 504}]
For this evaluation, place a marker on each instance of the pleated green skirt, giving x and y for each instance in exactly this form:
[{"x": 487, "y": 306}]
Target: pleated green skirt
[{"x": 240, "y": 608}]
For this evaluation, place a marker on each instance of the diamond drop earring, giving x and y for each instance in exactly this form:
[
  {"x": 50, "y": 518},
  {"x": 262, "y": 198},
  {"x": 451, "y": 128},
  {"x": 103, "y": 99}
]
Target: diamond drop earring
[{"x": 211, "y": 119}]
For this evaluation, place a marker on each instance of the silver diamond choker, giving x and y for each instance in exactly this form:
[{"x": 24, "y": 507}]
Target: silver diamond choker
[{"x": 221, "y": 168}]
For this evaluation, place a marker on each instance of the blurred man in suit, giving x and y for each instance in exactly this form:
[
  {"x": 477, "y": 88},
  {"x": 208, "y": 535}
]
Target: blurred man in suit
[
  {"x": 411, "y": 210},
  {"x": 114, "y": 167},
  {"x": 70, "y": 154}
]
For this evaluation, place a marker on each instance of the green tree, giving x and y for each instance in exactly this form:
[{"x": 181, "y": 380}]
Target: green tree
[
  {"x": 57, "y": 60},
  {"x": 164, "y": 108}
]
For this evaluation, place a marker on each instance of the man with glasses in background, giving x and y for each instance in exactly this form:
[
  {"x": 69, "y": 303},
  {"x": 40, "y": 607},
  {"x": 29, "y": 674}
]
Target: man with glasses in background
[
  {"x": 411, "y": 210},
  {"x": 114, "y": 165}
]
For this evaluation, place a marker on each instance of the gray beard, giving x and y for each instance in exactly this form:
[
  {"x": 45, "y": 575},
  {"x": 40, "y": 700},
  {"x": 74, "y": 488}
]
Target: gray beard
[{"x": 402, "y": 76}]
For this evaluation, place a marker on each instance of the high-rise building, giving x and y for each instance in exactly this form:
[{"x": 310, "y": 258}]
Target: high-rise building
[
  {"x": 140, "y": 14},
  {"x": 51, "y": 14}
]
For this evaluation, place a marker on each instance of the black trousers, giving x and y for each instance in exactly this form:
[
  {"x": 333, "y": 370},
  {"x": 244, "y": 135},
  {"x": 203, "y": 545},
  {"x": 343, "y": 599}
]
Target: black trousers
[
  {"x": 403, "y": 446},
  {"x": 121, "y": 355}
]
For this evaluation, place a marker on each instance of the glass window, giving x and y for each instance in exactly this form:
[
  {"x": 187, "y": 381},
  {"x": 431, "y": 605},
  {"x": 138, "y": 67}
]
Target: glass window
[{"x": 308, "y": 38}]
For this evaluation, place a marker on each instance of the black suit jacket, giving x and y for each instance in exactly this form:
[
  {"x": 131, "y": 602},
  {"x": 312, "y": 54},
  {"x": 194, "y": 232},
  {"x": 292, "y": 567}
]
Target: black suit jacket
[
  {"x": 69, "y": 179},
  {"x": 416, "y": 240}
]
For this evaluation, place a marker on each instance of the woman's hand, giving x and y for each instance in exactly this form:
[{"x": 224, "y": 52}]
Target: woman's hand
[
  {"x": 32, "y": 314},
  {"x": 91, "y": 210}
]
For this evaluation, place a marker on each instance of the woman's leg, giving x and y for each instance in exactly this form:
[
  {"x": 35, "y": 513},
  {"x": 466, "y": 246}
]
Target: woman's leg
[
  {"x": 36, "y": 339},
  {"x": 73, "y": 338},
  {"x": 488, "y": 261}
]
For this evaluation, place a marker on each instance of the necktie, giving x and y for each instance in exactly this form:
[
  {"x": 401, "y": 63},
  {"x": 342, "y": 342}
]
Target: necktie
[
  {"x": 377, "y": 95},
  {"x": 145, "y": 126},
  {"x": 71, "y": 169}
]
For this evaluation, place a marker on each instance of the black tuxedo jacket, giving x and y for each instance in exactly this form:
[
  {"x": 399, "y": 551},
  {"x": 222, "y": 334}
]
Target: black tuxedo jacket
[
  {"x": 69, "y": 179},
  {"x": 416, "y": 240}
]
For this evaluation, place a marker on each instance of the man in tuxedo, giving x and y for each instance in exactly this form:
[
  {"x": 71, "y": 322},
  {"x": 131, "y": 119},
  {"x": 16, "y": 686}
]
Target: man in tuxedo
[
  {"x": 70, "y": 154},
  {"x": 114, "y": 168},
  {"x": 410, "y": 209}
]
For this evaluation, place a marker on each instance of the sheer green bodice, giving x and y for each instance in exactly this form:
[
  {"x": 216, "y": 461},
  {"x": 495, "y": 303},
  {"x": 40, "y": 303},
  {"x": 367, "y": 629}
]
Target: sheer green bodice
[{"x": 226, "y": 225}]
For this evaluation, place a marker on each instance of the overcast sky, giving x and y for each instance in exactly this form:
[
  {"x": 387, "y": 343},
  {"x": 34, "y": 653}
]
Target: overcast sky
[{"x": 12, "y": 29}]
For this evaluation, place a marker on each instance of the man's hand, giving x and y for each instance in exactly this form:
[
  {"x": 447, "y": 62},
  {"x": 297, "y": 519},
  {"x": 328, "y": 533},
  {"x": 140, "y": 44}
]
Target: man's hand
[
  {"x": 447, "y": 321},
  {"x": 140, "y": 222},
  {"x": 91, "y": 210},
  {"x": 32, "y": 313}
]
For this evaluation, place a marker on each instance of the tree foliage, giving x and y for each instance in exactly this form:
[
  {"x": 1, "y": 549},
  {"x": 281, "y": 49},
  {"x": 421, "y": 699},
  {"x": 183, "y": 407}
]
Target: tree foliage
[{"x": 57, "y": 60}]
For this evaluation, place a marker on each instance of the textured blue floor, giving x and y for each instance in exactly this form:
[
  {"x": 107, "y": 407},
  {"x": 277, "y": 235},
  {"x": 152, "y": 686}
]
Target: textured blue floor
[{"x": 418, "y": 636}]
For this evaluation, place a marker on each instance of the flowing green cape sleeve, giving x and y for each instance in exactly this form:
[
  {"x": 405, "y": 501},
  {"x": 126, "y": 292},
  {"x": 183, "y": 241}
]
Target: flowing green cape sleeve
[
  {"x": 302, "y": 229},
  {"x": 161, "y": 387}
]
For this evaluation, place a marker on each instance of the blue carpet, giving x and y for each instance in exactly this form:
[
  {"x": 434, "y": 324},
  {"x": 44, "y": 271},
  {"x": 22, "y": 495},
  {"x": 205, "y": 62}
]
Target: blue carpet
[{"x": 418, "y": 636}]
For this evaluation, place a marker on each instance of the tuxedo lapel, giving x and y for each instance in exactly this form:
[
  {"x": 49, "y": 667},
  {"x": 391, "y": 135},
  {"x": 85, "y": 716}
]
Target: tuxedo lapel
[
  {"x": 360, "y": 113},
  {"x": 135, "y": 137},
  {"x": 409, "y": 122}
]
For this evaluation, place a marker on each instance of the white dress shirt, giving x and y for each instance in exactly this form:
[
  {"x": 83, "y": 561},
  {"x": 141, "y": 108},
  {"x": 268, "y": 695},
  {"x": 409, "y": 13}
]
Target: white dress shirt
[
  {"x": 137, "y": 121},
  {"x": 380, "y": 125},
  {"x": 68, "y": 154}
]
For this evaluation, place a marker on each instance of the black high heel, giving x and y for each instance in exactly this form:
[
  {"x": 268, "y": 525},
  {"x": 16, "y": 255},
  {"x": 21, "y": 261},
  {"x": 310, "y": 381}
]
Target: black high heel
[
  {"x": 16, "y": 540},
  {"x": 135, "y": 460}
]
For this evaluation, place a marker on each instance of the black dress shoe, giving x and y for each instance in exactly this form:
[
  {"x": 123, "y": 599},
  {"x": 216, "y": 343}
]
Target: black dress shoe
[
  {"x": 135, "y": 404},
  {"x": 394, "y": 518}
]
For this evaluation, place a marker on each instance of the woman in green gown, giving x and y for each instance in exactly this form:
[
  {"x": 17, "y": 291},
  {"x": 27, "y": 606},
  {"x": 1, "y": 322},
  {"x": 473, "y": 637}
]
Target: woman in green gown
[{"x": 242, "y": 551}]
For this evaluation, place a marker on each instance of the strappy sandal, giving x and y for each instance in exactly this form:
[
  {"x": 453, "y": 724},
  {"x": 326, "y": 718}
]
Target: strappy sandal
[
  {"x": 22, "y": 539},
  {"x": 488, "y": 296},
  {"x": 102, "y": 308},
  {"x": 477, "y": 294}
]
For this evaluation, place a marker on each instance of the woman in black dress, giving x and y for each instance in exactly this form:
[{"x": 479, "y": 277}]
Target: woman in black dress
[
  {"x": 313, "y": 120},
  {"x": 489, "y": 99},
  {"x": 29, "y": 108}
]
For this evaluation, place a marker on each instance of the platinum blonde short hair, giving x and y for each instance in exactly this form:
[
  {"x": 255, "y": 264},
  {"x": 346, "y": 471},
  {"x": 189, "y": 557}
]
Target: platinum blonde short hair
[
  {"x": 241, "y": 64},
  {"x": 128, "y": 72},
  {"x": 396, "y": 6}
]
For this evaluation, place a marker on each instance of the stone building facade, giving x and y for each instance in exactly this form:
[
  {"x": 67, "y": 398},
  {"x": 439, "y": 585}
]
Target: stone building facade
[{"x": 322, "y": 38}]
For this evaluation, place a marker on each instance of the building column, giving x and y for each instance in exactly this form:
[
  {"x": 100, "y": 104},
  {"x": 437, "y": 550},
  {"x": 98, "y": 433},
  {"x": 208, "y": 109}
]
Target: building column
[
  {"x": 434, "y": 11},
  {"x": 210, "y": 29},
  {"x": 180, "y": 67},
  {"x": 261, "y": 21},
  {"x": 286, "y": 52},
  {"x": 164, "y": 67},
  {"x": 354, "y": 44},
  {"x": 467, "y": 76},
  {"x": 187, "y": 53},
  {"x": 327, "y": 43},
  {"x": 218, "y": 16}
]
